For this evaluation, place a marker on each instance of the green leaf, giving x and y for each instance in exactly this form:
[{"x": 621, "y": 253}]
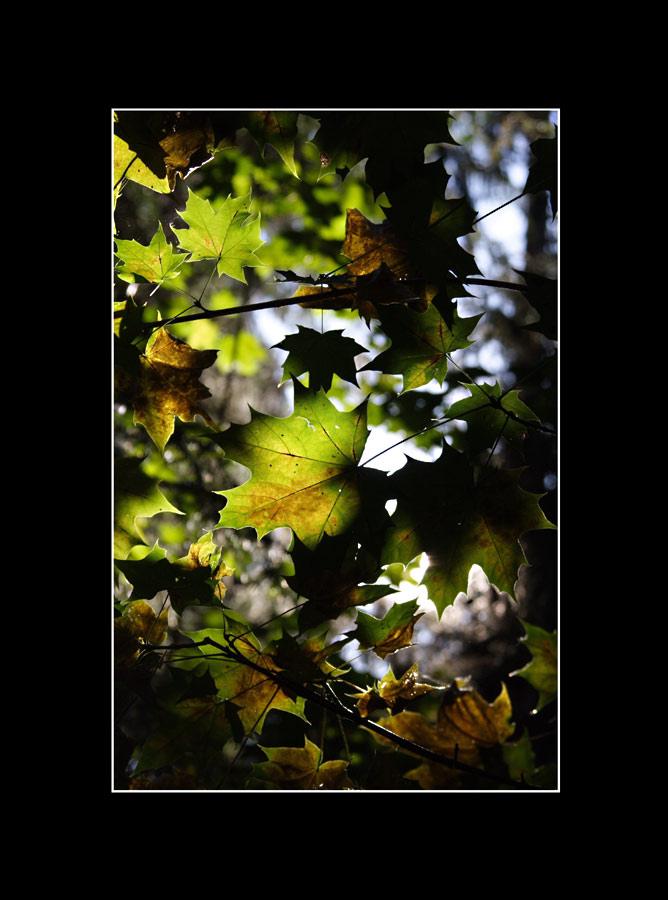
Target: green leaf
[
  {"x": 193, "y": 580},
  {"x": 303, "y": 469},
  {"x": 389, "y": 634},
  {"x": 252, "y": 692},
  {"x": 136, "y": 495},
  {"x": 278, "y": 129},
  {"x": 541, "y": 672},
  {"x": 519, "y": 758},
  {"x": 231, "y": 234},
  {"x": 154, "y": 263},
  {"x": 321, "y": 355},
  {"x": 420, "y": 342},
  {"x": 486, "y": 422},
  {"x": 392, "y": 142},
  {"x": 443, "y": 512},
  {"x": 197, "y": 726}
]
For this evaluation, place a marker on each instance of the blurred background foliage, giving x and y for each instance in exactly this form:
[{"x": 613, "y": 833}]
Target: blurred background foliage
[{"x": 303, "y": 226}]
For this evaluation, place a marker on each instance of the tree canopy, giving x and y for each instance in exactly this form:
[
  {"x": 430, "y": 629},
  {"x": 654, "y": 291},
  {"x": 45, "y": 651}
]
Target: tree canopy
[{"x": 335, "y": 451}]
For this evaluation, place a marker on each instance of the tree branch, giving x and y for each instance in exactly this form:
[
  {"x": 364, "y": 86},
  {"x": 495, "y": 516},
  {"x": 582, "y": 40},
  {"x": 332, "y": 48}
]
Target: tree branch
[
  {"x": 331, "y": 294},
  {"x": 340, "y": 710}
]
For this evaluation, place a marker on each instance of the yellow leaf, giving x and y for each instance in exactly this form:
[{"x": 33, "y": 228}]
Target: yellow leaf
[
  {"x": 465, "y": 721},
  {"x": 169, "y": 386},
  {"x": 138, "y": 625}
]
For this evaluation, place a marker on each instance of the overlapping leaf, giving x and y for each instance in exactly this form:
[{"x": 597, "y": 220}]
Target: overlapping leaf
[
  {"x": 136, "y": 495},
  {"x": 332, "y": 577},
  {"x": 230, "y": 234},
  {"x": 197, "y": 727},
  {"x": 420, "y": 344},
  {"x": 507, "y": 416},
  {"x": 278, "y": 129},
  {"x": 389, "y": 634},
  {"x": 136, "y": 626},
  {"x": 541, "y": 672},
  {"x": 443, "y": 512},
  {"x": 394, "y": 693},
  {"x": 321, "y": 355},
  {"x": 194, "y": 580},
  {"x": 465, "y": 720},
  {"x": 253, "y": 693},
  {"x": 542, "y": 294},
  {"x": 301, "y": 769},
  {"x": 303, "y": 469}
]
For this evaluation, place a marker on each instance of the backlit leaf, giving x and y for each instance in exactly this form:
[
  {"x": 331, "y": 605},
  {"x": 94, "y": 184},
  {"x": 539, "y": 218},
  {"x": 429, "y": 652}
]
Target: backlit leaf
[
  {"x": 153, "y": 263},
  {"x": 465, "y": 720},
  {"x": 230, "y": 234},
  {"x": 253, "y": 693},
  {"x": 278, "y": 129},
  {"x": 138, "y": 625},
  {"x": 389, "y": 634},
  {"x": 169, "y": 386},
  {"x": 194, "y": 580},
  {"x": 197, "y": 726},
  {"x": 541, "y": 672},
  {"x": 302, "y": 769},
  {"x": 136, "y": 495},
  {"x": 127, "y": 164},
  {"x": 394, "y": 694},
  {"x": 303, "y": 469},
  {"x": 420, "y": 342}
]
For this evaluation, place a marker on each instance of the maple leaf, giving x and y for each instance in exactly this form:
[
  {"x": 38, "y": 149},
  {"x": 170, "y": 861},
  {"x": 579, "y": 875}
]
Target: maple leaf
[
  {"x": 278, "y": 129},
  {"x": 128, "y": 164},
  {"x": 381, "y": 288},
  {"x": 541, "y": 671},
  {"x": 153, "y": 263},
  {"x": 465, "y": 720},
  {"x": 303, "y": 469},
  {"x": 188, "y": 144},
  {"x": 193, "y": 580},
  {"x": 442, "y": 511},
  {"x": 389, "y": 634},
  {"x": 392, "y": 142},
  {"x": 321, "y": 355},
  {"x": 136, "y": 495},
  {"x": 231, "y": 234},
  {"x": 302, "y": 769},
  {"x": 331, "y": 576},
  {"x": 168, "y": 386},
  {"x": 369, "y": 246},
  {"x": 136, "y": 626},
  {"x": 486, "y": 422},
  {"x": 253, "y": 693},
  {"x": 420, "y": 344},
  {"x": 394, "y": 694},
  {"x": 197, "y": 726}
]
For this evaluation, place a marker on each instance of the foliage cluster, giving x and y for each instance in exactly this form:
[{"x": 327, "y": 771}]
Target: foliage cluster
[{"x": 233, "y": 644}]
